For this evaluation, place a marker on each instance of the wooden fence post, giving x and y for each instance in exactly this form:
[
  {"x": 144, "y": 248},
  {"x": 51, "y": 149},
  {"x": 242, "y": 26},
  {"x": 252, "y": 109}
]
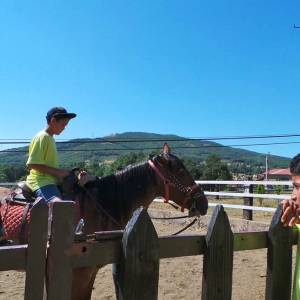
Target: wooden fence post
[
  {"x": 248, "y": 213},
  {"x": 136, "y": 276},
  {"x": 36, "y": 251},
  {"x": 218, "y": 258},
  {"x": 279, "y": 260},
  {"x": 59, "y": 269}
]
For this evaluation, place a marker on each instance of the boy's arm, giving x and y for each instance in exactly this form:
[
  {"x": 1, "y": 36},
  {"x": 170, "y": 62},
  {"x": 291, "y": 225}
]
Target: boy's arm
[{"x": 60, "y": 173}]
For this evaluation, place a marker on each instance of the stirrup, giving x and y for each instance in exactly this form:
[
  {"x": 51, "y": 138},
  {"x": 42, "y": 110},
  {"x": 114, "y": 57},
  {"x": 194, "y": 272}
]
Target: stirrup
[{"x": 79, "y": 227}]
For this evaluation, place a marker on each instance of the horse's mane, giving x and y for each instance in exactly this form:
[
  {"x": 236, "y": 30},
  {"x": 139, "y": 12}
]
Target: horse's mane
[{"x": 119, "y": 193}]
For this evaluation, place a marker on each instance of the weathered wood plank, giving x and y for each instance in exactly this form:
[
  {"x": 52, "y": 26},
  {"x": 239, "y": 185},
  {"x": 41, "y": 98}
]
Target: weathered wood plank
[
  {"x": 184, "y": 245},
  {"x": 13, "y": 257},
  {"x": 250, "y": 240},
  {"x": 59, "y": 269},
  {"x": 36, "y": 251},
  {"x": 279, "y": 260},
  {"x": 87, "y": 254},
  {"x": 218, "y": 258},
  {"x": 136, "y": 277}
]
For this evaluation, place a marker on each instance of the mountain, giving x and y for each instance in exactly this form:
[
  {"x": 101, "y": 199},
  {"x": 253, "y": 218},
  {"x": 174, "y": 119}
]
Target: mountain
[{"x": 110, "y": 147}]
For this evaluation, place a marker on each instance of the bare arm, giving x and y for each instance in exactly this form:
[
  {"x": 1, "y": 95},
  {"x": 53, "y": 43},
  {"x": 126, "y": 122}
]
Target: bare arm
[{"x": 60, "y": 173}]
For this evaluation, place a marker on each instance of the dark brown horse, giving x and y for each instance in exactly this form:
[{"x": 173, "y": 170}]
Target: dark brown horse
[{"x": 109, "y": 202}]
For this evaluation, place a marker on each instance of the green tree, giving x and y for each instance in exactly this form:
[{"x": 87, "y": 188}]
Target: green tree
[
  {"x": 194, "y": 169},
  {"x": 215, "y": 169},
  {"x": 12, "y": 173},
  {"x": 260, "y": 189}
]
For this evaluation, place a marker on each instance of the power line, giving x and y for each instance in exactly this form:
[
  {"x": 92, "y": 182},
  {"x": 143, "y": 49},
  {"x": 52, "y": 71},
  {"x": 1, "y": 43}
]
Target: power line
[
  {"x": 158, "y": 148},
  {"x": 134, "y": 140}
]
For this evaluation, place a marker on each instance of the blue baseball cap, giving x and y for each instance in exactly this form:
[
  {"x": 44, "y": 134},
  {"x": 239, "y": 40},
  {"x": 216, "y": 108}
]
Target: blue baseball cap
[{"x": 59, "y": 112}]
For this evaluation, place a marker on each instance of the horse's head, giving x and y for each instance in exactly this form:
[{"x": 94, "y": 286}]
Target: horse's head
[{"x": 179, "y": 185}]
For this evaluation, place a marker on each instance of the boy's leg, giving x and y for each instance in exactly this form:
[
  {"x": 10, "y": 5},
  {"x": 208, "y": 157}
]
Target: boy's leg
[
  {"x": 49, "y": 192},
  {"x": 3, "y": 239}
]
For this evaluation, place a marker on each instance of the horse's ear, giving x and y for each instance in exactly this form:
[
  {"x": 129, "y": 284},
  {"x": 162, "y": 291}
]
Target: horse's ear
[{"x": 166, "y": 149}]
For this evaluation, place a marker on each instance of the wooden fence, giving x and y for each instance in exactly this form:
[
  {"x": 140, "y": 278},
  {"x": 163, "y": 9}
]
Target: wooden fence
[
  {"x": 138, "y": 250},
  {"x": 30, "y": 257}
]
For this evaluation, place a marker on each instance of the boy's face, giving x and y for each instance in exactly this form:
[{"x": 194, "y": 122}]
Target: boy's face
[
  {"x": 58, "y": 126},
  {"x": 296, "y": 188}
]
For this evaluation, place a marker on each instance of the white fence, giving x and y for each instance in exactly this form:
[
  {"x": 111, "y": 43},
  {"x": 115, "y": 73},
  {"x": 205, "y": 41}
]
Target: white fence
[{"x": 248, "y": 195}]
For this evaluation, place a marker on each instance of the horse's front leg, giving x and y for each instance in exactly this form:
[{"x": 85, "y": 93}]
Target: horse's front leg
[
  {"x": 115, "y": 268},
  {"x": 82, "y": 283}
]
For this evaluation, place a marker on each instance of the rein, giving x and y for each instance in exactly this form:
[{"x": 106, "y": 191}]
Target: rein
[
  {"x": 101, "y": 207},
  {"x": 186, "y": 227},
  {"x": 176, "y": 218}
]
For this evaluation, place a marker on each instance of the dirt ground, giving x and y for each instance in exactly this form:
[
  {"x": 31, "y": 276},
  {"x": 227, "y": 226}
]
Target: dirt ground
[{"x": 180, "y": 278}]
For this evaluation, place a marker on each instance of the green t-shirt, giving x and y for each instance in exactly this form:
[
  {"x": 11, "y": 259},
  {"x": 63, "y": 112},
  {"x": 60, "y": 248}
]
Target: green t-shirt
[
  {"x": 296, "y": 284},
  {"x": 42, "y": 151}
]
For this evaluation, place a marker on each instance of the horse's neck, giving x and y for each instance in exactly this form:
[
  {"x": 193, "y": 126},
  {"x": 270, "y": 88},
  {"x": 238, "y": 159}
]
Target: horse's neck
[
  {"x": 150, "y": 193},
  {"x": 124, "y": 192},
  {"x": 143, "y": 193}
]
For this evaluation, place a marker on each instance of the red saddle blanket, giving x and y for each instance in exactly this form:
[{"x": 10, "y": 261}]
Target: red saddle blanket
[{"x": 15, "y": 218}]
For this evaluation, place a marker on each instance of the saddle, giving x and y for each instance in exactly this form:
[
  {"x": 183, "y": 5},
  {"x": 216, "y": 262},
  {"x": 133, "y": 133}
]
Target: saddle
[
  {"x": 23, "y": 193},
  {"x": 15, "y": 213},
  {"x": 15, "y": 208}
]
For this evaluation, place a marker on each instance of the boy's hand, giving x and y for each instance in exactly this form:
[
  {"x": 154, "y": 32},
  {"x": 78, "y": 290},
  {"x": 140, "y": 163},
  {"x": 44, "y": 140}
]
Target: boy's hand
[
  {"x": 291, "y": 213},
  {"x": 84, "y": 178},
  {"x": 64, "y": 173}
]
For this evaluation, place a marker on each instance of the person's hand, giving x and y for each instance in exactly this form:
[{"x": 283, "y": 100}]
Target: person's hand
[
  {"x": 84, "y": 178},
  {"x": 290, "y": 213},
  {"x": 81, "y": 174}
]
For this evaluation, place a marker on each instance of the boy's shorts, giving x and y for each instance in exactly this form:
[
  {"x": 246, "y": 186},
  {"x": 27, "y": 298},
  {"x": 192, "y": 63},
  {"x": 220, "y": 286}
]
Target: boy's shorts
[{"x": 48, "y": 192}]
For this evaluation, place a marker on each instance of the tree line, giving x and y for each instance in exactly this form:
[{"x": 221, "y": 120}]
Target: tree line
[{"x": 211, "y": 169}]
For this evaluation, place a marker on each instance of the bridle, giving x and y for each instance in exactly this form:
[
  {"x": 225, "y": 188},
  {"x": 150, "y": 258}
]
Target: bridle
[{"x": 170, "y": 180}]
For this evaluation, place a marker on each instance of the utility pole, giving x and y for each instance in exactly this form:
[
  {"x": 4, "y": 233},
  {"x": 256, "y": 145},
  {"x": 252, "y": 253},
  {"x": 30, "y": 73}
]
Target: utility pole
[{"x": 267, "y": 168}]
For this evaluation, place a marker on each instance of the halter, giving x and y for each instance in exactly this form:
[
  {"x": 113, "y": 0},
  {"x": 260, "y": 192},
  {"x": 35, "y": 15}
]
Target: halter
[{"x": 171, "y": 180}]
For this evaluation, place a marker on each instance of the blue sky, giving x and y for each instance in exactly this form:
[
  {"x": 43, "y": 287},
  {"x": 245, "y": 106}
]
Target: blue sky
[{"x": 192, "y": 68}]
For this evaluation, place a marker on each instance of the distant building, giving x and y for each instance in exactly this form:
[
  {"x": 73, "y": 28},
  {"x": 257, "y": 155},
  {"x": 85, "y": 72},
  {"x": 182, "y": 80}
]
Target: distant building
[{"x": 276, "y": 174}]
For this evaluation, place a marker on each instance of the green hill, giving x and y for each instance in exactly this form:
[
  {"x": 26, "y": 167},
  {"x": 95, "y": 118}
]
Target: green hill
[{"x": 113, "y": 146}]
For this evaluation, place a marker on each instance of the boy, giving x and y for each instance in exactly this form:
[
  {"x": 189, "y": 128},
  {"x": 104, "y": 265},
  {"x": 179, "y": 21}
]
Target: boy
[
  {"x": 290, "y": 217},
  {"x": 45, "y": 174},
  {"x": 291, "y": 207}
]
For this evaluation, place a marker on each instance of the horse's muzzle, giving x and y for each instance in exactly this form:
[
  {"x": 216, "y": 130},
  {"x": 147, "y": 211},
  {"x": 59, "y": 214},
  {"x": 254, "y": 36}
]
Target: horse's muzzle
[{"x": 198, "y": 204}]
